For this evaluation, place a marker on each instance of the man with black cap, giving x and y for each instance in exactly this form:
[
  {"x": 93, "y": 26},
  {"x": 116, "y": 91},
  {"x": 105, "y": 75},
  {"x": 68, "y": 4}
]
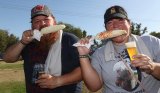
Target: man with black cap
[
  {"x": 112, "y": 68},
  {"x": 51, "y": 65}
]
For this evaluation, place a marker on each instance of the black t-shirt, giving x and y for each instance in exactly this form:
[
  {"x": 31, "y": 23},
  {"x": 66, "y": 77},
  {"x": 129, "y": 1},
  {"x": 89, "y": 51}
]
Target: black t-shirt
[{"x": 32, "y": 57}]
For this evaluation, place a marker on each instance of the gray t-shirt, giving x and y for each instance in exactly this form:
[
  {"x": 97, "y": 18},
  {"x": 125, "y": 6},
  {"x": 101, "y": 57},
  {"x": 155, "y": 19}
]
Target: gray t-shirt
[{"x": 116, "y": 77}]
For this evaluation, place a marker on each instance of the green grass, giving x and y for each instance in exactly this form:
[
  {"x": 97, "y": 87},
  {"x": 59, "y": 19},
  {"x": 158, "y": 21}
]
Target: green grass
[
  {"x": 15, "y": 66},
  {"x": 12, "y": 87}
]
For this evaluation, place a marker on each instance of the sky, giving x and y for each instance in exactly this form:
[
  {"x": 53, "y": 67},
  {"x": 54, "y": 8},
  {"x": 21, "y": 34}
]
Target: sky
[{"x": 84, "y": 14}]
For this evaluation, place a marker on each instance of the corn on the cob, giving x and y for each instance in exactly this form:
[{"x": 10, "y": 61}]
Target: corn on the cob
[
  {"x": 109, "y": 34},
  {"x": 51, "y": 29}
]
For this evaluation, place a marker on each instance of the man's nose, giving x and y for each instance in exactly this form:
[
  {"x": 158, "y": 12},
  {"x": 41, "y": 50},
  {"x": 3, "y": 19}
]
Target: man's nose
[
  {"x": 115, "y": 24},
  {"x": 42, "y": 22}
]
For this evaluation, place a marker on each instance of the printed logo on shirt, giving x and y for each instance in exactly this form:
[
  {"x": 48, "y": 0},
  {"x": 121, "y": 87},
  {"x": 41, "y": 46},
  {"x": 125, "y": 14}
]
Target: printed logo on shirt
[
  {"x": 36, "y": 70},
  {"x": 123, "y": 76}
]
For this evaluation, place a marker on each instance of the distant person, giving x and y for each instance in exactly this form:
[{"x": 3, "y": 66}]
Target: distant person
[
  {"x": 54, "y": 51},
  {"x": 111, "y": 67}
]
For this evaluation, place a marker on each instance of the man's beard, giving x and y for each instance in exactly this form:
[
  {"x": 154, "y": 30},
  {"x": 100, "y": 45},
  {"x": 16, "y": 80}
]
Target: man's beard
[{"x": 46, "y": 41}]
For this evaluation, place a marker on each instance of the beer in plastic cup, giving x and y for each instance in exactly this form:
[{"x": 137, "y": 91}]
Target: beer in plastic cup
[{"x": 131, "y": 49}]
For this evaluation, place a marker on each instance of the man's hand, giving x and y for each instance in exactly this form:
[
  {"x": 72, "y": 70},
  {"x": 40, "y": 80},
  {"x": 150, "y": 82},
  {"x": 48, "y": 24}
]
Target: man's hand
[
  {"x": 48, "y": 81},
  {"x": 27, "y": 37},
  {"x": 144, "y": 63}
]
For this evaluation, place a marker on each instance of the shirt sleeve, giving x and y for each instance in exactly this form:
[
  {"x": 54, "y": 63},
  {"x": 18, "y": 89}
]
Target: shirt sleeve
[
  {"x": 153, "y": 44},
  {"x": 96, "y": 62}
]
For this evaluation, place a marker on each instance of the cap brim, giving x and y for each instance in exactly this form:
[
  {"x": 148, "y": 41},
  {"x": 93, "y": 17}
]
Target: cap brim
[
  {"x": 39, "y": 13},
  {"x": 118, "y": 15}
]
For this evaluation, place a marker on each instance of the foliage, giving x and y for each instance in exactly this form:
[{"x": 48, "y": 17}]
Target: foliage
[
  {"x": 84, "y": 33},
  {"x": 12, "y": 39},
  {"x": 6, "y": 39},
  {"x": 71, "y": 29},
  {"x": 137, "y": 29},
  {"x": 155, "y": 34},
  {"x": 3, "y": 40}
]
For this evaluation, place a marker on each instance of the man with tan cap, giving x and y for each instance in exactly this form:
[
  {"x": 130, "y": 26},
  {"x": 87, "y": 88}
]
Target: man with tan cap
[
  {"x": 51, "y": 65},
  {"x": 111, "y": 66}
]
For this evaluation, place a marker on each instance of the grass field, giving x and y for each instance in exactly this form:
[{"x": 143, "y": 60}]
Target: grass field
[
  {"x": 12, "y": 87},
  {"x": 15, "y": 66},
  {"x": 12, "y": 78}
]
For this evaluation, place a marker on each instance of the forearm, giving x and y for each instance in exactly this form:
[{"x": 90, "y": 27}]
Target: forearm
[
  {"x": 12, "y": 54},
  {"x": 156, "y": 71},
  {"x": 70, "y": 78},
  {"x": 90, "y": 76}
]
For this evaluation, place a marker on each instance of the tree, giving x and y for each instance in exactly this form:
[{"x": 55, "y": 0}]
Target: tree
[
  {"x": 12, "y": 40},
  {"x": 155, "y": 34},
  {"x": 84, "y": 33},
  {"x": 71, "y": 29},
  {"x": 3, "y": 40},
  {"x": 137, "y": 30},
  {"x": 6, "y": 40}
]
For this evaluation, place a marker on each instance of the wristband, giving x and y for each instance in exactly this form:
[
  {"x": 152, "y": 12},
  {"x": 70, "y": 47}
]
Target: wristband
[
  {"x": 84, "y": 56},
  {"x": 21, "y": 41}
]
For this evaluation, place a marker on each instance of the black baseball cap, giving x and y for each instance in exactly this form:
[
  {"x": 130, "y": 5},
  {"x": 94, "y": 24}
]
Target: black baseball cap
[{"x": 115, "y": 12}]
